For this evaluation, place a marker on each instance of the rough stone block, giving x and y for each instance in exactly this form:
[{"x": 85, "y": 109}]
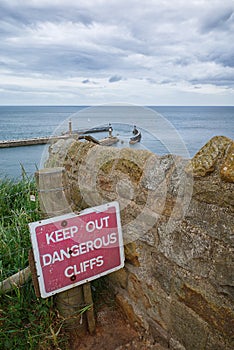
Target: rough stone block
[
  {"x": 131, "y": 253},
  {"x": 227, "y": 168},
  {"x": 223, "y": 270},
  {"x": 159, "y": 334},
  {"x": 160, "y": 310},
  {"x": 219, "y": 317},
  {"x": 216, "y": 341},
  {"x": 155, "y": 171},
  {"x": 134, "y": 316},
  {"x": 136, "y": 292},
  {"x": 212, "y": 190},
  {"x": 205, "y": 159},
  {"x": 187, "y": 327},
  {"x": 217, "y": 222},
  {"x": 187, "y": 246},
  {"x": 163, "y": 271},
  {"x": 119, "y": 278}
]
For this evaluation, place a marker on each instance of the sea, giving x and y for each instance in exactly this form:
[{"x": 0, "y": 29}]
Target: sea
[{"x": 165, "y": 129}]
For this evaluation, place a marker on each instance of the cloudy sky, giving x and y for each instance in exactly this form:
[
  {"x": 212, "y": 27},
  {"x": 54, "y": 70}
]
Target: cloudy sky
[{"x": 88, "y": 52}]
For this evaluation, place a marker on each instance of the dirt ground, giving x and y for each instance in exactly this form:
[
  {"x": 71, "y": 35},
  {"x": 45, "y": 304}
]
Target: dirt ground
[{"x": 113, "y": 332}]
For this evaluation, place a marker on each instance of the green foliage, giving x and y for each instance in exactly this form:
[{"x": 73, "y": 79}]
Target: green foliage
[
  {"x": 16, "y": 211},
  {"x": 26, "y": 322}
]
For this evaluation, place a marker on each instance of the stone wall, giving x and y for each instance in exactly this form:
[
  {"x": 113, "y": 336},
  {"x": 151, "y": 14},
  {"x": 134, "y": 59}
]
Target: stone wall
[{"x": 177, "y": 219}]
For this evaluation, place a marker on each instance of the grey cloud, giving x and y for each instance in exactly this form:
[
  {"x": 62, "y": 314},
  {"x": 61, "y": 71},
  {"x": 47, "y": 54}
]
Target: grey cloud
[
  {"x": 115, "y": 78},
  {"x": 152, "y": 81},
  {"x": 226, "y": 59},
  {"x": 54, "y": 61},
  {"x": 29, "y": 90},
  {"x": 19, "y": 88},
  {"x": 220, "y": 20},
  {"x": 182, "y": 61},
  {"x": 161, "y": 82},
  {"x": 28, "y": 14},
  {"x": 165, "y": 81},
  {"x": 221, "y": 80},
  {"x": 223, "y": 54}
]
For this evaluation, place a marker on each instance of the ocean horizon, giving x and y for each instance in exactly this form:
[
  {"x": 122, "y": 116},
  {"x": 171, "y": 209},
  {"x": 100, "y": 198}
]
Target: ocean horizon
[{"x": 194, "y": 125}]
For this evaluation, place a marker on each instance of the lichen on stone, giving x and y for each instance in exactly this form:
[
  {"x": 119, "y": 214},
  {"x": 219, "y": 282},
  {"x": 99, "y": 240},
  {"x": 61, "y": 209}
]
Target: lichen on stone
[
  {"x": 227, "y": 167},
  {"x": 206, "y": 158}
]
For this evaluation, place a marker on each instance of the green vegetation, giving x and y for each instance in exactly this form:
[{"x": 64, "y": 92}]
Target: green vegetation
[{"x": 26, "y": 322}]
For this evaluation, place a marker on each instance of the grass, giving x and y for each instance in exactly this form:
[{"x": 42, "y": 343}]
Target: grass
[{"x": 26, "y": 322}]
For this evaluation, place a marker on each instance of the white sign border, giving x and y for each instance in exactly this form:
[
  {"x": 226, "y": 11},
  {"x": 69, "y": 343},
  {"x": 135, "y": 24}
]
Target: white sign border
[{"x": 35, "y": 247}]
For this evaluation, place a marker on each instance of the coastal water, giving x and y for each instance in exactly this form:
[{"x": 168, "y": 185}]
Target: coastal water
[{"x": 193, "y": 125}]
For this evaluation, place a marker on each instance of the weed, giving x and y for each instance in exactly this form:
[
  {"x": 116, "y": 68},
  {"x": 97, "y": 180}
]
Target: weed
[{"x": 26, "y": 322}]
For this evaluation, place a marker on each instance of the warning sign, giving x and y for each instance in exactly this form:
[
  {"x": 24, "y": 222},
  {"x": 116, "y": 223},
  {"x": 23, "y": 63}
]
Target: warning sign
[{"x": 71, "y": 249}]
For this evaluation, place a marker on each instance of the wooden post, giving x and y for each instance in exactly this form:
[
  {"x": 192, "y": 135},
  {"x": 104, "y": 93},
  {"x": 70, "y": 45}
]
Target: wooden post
[
  {"x": 18, "y": 279},
  {"x": 90, "y": 312},
  {"x": 52, "y": 189}
]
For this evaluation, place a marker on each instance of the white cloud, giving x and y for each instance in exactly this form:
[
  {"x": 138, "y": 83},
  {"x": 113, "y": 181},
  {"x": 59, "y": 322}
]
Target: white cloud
[{"x": 180, "y": 49}]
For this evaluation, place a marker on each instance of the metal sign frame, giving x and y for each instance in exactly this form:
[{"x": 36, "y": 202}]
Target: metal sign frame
[{"x": 97, "y": 247}]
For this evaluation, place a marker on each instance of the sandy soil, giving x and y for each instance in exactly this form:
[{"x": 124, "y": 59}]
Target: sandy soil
[{"x": 113, "y": 332}]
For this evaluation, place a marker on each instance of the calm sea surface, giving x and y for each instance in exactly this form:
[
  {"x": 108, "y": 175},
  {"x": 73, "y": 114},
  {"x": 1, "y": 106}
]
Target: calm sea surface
[{"x": 193, "y": 125}]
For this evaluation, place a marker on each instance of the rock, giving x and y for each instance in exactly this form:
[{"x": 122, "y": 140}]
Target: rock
[
  {"x": 227, "y": 168},
  {"x": 187, "y": 327},
  {"x": 212, "y": 190},
  {"x": 119, "y": 278},
  {"x": 156, "y": 170},
  {"x": 136, "y": 291},
  {"x": 205, "y": 160},
  {"x": 131, "y": 253},
  {"x": 218, "y": 317},
  {"x": 125, "y": 303}
]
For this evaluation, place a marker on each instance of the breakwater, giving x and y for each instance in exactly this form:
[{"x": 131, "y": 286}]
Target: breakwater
[
  {"x": 108, "y": 141},
  {"x": 48, "y": 139},
  {"x": 30, "y": 142}
]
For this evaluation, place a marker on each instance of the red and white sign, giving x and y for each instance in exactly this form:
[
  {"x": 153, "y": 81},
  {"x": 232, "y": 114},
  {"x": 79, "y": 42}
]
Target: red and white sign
[{"x": 71, "y": 249}]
